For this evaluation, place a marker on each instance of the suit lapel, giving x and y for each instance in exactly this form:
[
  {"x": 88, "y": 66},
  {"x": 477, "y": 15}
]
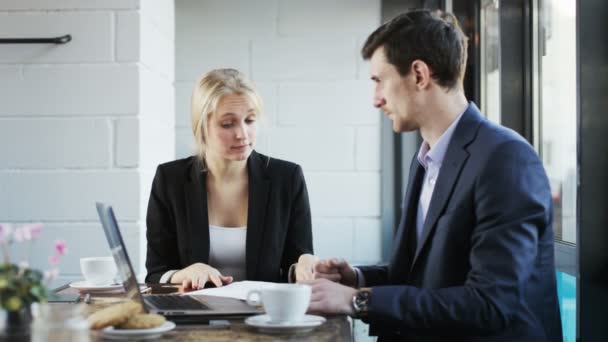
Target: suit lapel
[
  {"x": 448, "y": 175},
  {"x": 402, "y": 255},
  {"x": 259, "y": 186},
  {"x": 453, "y": 162},
  {"x": 198, "y": 220}
]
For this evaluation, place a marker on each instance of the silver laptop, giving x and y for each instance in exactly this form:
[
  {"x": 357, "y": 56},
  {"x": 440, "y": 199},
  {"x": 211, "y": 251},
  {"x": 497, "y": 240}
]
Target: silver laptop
[{"x": 195, "y": 308}]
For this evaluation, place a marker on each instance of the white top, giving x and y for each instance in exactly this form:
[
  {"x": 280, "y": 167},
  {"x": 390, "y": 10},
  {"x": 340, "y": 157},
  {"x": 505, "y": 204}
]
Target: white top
[{"x": 227, "y": 250}]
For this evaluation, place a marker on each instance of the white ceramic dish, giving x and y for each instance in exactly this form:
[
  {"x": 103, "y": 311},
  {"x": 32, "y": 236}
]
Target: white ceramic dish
[
  {"x": 137, "y": 334},
  {"x": 262, "y": 323},
  {"x": 84, "y": 286}
]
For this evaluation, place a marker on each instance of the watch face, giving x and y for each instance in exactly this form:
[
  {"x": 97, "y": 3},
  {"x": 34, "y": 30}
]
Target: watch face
[{"x": 362, "y": 300}]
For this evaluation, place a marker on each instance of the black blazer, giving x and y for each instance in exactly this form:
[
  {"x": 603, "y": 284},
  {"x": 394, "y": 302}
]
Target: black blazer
[
  {"x": 483, "y": 269},
  {"x": 278, "y": 219}
]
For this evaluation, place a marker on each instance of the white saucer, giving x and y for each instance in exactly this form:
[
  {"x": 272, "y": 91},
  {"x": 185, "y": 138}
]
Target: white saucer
[
  {"x": 84, "y": 286},
  {"x": 262, "y": 323},
  {"x": 137, "y": 334}
]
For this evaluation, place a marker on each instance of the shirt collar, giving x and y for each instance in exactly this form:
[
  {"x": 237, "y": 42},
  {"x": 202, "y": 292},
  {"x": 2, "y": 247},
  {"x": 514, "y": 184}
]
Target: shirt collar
[{"x": 436, "y": 154}]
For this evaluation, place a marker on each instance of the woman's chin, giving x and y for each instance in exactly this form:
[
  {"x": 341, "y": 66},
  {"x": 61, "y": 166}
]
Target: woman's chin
[{"x": 240, "y": 156}]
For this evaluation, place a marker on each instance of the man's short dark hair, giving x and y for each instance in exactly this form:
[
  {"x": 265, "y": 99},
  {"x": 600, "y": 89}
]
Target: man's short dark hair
[{"x": 432, "y": 37}]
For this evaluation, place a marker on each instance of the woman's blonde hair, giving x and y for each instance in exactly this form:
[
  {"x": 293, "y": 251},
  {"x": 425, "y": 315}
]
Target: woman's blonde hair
[{"x": 207, "y": 95}]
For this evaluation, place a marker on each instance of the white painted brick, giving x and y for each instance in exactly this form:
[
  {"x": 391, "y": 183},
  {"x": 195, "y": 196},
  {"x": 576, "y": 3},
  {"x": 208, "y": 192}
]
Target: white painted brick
[
  {"x": 268, "y": 90},
  {"x": 319, "y": 17},
  {"x": 338, "y": 102},
  {"x": 69, "y": 90},
  {"x": 367, "y": 241},
  {"x": 54, "y": 143},
  {"x": 157, "y": 141},
  {"x": 82, "y": 240},
  {"x": 310, "y": 58},
  {"x": 157, "y": 50},
  {"x": 126, "y": 149},
  {"x": 157, "y": 97},
  {"x": 236, "y": 18},
  {"x": 161, "y": 14},
  {"x": 363, "y": 68},
  {"x": 145, "y": 186},
  {"x": 367, "y": 148},
  {"x": 67, "y": 196},
  {"x": 321, "y": 149},
  {"x": 127, "y": 36},
  {"x": 344, "y": 193},
  {"x": 8, "y": 76},
  {"x": 198, "y": 54},
  {"x": 92, "y": 39},
  {"x": 67, "y": 4},
  {"x": 333, "y": 238},
  {"x": 184, "y": 145},
  {"x": 183, "y": 96}
]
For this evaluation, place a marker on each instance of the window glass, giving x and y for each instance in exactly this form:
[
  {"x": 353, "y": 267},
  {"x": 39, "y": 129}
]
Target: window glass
[
  {"x": 557, "y": 109},
  {"x": 489, "y": 39}
]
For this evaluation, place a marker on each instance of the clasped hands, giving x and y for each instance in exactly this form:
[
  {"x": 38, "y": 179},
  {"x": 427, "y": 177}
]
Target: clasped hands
[{"x": 333, "y": 287}]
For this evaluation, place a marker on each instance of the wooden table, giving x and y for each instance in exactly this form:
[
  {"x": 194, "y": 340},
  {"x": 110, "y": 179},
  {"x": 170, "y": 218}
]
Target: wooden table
[{"x": 337, "y": 328}]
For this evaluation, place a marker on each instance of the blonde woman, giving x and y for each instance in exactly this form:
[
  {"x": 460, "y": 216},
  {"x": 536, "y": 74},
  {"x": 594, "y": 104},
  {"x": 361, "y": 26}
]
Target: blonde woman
[{"x": 227, "y": 213}]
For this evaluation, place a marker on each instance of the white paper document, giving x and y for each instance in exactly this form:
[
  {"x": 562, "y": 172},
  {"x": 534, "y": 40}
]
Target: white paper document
[{"x": 238, "y": 289}]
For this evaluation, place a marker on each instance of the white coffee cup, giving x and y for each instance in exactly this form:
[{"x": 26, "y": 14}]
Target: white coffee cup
[
  {"x": 98, "y": 270},
  {"x": 284, "y": 303}
]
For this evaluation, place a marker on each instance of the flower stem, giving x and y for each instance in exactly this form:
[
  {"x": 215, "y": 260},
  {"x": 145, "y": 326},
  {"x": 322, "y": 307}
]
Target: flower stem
[{"x": 7, "y": 256}]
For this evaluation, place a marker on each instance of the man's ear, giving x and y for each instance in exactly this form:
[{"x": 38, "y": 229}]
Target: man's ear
[{"x": 420, "y": 70}]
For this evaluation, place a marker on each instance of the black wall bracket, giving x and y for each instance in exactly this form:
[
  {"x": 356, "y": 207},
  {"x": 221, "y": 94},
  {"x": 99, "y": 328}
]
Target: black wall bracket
[{"x": 53, "y": 40}]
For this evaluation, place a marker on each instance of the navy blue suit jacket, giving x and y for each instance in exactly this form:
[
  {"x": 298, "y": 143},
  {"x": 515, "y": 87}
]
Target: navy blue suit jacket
[{"x": 483, "y": 269}]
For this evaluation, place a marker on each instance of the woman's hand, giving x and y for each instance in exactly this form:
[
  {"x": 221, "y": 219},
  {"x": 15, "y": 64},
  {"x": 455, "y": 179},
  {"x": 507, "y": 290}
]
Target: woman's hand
[
  {"x": 336, "y": 270},
  {"x": 305, "y": 268},
  {"x": 195, "y": 276}
]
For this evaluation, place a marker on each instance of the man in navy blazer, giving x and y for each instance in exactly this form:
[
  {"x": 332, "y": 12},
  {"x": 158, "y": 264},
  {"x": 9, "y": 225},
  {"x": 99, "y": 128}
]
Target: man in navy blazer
[{"x": 473, "y": 257}]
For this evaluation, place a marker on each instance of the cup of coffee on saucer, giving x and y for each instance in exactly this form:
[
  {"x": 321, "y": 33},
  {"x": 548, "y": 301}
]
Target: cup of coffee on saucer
[
  {"x": 99, "y": 274},
  {"x": 285, "y": 306}
]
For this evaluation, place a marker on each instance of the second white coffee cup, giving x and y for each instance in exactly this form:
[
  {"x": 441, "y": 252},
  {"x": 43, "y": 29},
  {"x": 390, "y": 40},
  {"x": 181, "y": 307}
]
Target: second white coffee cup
[
  {"x": 98, "y": 270},
  {"x": 284, "y": 303}
]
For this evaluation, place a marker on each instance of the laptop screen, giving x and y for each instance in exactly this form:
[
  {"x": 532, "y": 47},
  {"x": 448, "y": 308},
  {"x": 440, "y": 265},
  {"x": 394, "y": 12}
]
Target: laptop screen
[{"x": 119, "y": 251}]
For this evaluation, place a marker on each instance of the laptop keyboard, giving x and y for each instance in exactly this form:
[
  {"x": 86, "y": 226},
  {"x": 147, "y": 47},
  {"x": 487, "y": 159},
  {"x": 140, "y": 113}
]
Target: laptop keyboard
[{"x": 173, "y": 302}]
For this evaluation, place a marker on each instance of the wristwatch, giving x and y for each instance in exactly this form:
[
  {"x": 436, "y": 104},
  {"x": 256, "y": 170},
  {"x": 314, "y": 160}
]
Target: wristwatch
[{"x": 361, "y": 301}]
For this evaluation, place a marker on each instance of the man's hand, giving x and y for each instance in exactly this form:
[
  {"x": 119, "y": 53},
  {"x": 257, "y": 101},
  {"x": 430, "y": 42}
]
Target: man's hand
[
  {"x": 330, "y": 298},
  {"x": 305, "y": 268},
  {"x": 337, "y": 270},
  {"x": 195, "y": 276}
]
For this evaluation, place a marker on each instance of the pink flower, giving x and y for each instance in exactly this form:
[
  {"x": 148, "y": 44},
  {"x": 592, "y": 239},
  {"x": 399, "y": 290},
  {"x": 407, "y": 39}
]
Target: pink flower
[
  {"x": 5, "y": 232},
  {"x": 54, "y": 260},
  {"x": 60, "y": 247},
  {"x": 22, "y": 234},
  {"x": 34, "y": 230}
]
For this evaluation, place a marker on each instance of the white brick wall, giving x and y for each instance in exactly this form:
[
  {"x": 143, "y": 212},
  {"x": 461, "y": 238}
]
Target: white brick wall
[
  {"x": 67, "y": 195},
  {"x": 304, "y": 58},
  {"x": 68, "y": 89},
  {"x": 86, "y": 121},
  {"x": 38, "y": 5},
  {"x": 55, "y": 143},
  {"x": 333, "y": 103},
  {"x": 92, "y": 39}
]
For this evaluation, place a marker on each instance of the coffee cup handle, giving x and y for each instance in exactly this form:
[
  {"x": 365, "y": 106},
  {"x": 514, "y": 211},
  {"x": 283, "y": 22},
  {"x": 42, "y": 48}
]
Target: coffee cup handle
[{"x": 250, "y": 298}]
